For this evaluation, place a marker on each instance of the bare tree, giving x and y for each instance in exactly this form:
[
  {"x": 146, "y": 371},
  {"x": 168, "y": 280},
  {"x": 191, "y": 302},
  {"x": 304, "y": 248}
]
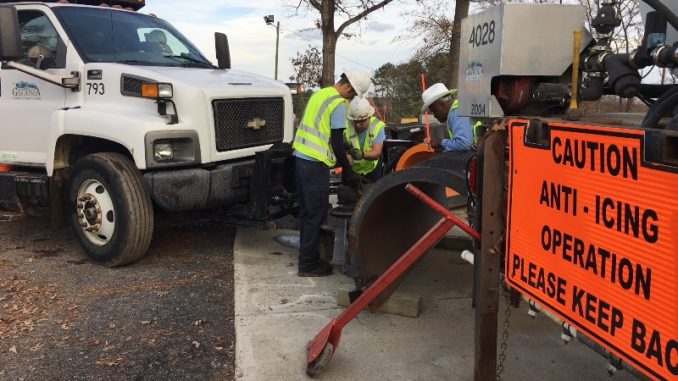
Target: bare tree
[
  {"x": 307, "y": 67},
  {"x": 430, "y": 25},
  {"x": 460, "y": 13},
  {"x": 352, "y": 10},
  {"x": 626, "y": 37},
  {"x": 441, "y": 34}
]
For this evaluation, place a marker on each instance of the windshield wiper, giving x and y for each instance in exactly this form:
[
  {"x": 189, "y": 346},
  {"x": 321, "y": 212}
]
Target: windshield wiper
[
  {"x": 190, "y": 59},
  {"x": 140, "y": 62}
]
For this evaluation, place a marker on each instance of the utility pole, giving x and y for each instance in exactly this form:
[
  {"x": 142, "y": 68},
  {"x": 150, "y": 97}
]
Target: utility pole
[{"x": 277, "y": 45}]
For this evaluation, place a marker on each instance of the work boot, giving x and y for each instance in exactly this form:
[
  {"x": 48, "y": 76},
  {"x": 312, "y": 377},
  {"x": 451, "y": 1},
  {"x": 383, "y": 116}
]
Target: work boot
[{"x": 321, "y": 269}]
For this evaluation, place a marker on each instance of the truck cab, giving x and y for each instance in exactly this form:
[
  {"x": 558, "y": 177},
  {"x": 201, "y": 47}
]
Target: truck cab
[{"x": 107, "y": 112}]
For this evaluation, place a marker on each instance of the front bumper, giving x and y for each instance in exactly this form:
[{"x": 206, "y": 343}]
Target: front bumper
[
  {"x": 266, "y": 182},
  {"x": 198, "y": 188}
]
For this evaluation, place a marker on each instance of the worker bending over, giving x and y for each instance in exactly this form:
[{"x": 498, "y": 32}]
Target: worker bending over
[
  {"x": 319, "y": 146},
  {"x": 365, "y": 135},
  {"x": 442, "y": 104}
]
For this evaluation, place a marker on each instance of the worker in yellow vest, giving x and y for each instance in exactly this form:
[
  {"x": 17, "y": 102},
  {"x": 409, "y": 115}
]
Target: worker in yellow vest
[
  {"x": 318, "y": 146},
  {"x": 365, "y": 135},
  {"x": 440, "y": 101}
]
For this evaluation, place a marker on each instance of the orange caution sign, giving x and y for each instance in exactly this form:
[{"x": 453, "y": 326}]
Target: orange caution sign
[{"x": 592, "y": 230}]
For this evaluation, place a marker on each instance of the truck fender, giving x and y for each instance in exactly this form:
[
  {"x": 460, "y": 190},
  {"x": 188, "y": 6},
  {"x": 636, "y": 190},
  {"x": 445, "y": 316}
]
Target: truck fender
[{"x": 126, "y": 129}]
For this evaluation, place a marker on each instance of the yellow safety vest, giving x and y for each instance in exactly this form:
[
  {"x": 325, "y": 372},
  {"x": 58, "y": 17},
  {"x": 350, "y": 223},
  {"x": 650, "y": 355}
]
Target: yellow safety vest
[
  {"x": 455, "y": 106},
  {"x": 363, "y": 166},
  {"x": 313, "y": 135}
]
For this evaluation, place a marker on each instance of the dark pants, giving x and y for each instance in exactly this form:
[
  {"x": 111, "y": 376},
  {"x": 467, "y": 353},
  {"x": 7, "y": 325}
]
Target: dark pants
[
  {"x": 313, "y": 184},
  {"x": 377, "y": 173}
]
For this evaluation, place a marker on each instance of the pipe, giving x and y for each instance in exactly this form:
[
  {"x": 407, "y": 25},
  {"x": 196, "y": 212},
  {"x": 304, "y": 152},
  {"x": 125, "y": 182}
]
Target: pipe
[
  {"x": 594, "y": 90},
  {"x": 388, "y": 220},
  {"x": 665, "y": 56},
  {"x": 467, "y": 256},
  {"x": 623, "y": 78}
]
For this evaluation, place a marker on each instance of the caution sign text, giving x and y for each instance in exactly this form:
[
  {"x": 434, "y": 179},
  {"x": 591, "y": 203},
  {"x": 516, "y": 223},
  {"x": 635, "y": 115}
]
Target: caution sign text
[{"x": 591, "y": 235}]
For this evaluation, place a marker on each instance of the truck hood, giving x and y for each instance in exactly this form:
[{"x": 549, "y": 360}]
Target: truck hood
[{"x": 213, "y": 79}]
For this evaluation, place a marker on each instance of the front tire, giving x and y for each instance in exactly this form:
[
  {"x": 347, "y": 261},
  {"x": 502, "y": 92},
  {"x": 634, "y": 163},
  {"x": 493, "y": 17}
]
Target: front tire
[{"x": 109, "y": 209}]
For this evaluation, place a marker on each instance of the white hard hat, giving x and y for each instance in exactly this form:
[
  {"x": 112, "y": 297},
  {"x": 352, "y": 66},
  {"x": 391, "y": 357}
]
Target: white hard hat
[
  {"x": 360, "y": 109},
  {"x": 360, "y": 80},
  {"x": 434, "y": 93}
]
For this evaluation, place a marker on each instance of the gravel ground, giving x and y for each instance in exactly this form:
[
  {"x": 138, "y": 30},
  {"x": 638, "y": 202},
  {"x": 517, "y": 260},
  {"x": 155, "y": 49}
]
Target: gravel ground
[{"x": 166, "y": 317}]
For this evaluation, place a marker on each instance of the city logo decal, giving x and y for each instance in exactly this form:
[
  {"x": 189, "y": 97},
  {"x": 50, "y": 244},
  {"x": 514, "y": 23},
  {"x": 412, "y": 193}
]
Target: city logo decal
[
  {"x": 26, "y": 90},
  {"x": 474, "y": 71}
]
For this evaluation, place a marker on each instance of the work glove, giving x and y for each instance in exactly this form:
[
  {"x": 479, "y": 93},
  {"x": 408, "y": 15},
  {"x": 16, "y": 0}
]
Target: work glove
[
  {"x": 437, "y": 144},
  {"x": 350, "y": 178},
  {"x": 356, "y": 154}
]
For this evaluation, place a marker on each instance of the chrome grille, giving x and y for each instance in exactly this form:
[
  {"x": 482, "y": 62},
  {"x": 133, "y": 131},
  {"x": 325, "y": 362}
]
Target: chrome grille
[{"x": 242, "y": 123}]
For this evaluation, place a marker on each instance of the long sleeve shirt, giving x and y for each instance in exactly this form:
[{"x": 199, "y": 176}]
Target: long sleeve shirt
[{"x": 461, "y": 131}]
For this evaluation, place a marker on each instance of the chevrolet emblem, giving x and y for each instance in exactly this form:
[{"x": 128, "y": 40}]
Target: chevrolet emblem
[{"x": 256, "y": 124}]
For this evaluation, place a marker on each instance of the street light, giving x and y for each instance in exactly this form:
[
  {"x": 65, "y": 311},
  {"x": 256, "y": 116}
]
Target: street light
[{"x": 270, "y": 19}]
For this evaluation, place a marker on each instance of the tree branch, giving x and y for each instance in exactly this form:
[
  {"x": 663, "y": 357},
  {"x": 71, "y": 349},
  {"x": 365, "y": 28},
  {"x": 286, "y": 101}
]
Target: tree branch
[
  {"x": 361, "y": 15},
  {"x": 315, "y": 4},
  {"x": 342, "y": 9}
]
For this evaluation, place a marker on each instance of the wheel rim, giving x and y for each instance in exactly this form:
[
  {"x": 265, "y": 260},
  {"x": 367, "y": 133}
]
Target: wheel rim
[{"x": 95, "y": 212}]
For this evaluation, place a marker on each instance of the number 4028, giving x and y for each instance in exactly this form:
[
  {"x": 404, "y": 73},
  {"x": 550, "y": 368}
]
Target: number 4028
[{"x": 483, "y": 34}]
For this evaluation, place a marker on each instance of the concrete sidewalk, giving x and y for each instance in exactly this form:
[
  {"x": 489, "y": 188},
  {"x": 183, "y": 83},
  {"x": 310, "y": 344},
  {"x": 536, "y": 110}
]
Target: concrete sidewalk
[{"x": 277, "y": 313}]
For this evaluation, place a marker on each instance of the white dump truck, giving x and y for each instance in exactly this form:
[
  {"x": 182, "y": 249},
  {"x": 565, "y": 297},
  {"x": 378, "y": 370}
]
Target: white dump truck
[{"x": 106, "y": 112}]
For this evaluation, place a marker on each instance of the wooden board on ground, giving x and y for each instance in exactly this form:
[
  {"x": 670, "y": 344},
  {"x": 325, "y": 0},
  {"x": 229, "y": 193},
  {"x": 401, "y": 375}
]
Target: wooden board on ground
[{"x": 398, "y": 304}]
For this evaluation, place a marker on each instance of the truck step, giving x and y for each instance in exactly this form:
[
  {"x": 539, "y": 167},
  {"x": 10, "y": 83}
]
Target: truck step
[
  {"x": 18, "y": 186},
  {"x": 11, "y": 216}
]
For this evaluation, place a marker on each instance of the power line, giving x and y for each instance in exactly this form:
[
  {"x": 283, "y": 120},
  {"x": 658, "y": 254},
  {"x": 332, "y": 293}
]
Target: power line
[{"x": 313, "y": 42}]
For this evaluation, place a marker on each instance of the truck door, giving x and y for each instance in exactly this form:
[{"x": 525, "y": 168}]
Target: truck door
[{"x": 27, "y": 104}]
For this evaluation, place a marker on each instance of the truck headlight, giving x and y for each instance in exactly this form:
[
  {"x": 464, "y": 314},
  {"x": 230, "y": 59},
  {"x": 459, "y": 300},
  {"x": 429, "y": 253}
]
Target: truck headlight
[
  {"x": 163, "y": 151},
  {"x": 174, "y": 148},
  {"x": 157, "y": 90}
]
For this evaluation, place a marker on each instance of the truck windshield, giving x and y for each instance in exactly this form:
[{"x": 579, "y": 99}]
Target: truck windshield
[{"x": 105, "y": 35}]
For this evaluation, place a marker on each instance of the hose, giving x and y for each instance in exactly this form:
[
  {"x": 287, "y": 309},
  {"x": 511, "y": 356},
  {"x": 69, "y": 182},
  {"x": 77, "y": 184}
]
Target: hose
[
  {"x": 622, "y": 77},
  {"x": 650, "y": 90},
  {"x": 674, "y": 121},
  {"x": 664, "y": 104}
]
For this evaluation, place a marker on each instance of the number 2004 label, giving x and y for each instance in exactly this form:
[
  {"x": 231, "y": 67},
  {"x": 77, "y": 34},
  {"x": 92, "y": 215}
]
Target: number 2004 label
[{"x": 478, "y": 109}]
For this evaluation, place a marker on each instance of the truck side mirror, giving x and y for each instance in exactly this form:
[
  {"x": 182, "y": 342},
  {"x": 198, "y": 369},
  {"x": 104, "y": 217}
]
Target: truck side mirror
[
  {"x": 10, "y": 40},
  {"x": 223, "y": 51}
]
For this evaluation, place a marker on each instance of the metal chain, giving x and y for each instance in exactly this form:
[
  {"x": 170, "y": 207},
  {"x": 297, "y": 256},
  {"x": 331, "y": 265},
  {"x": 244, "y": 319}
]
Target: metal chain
[{"x": 505, "y": 336}]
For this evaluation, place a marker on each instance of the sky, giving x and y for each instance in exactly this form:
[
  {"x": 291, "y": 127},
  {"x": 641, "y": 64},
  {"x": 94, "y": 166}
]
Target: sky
[{"x": 252, "y": 42}]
